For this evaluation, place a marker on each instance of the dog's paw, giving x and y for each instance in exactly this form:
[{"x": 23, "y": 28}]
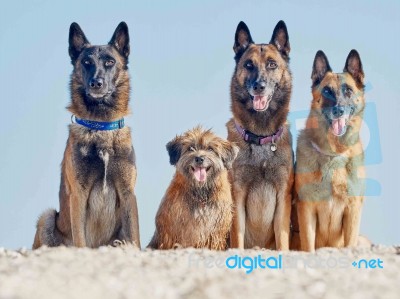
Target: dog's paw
[{"x": 177, "y": 246}]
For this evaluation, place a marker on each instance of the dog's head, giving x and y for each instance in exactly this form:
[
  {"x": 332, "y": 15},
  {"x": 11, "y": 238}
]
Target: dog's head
[
  {"x": 262, "y": 77},
  {"x": 100, "y": 80},
  {"x": 338, "y": 97},
  {"x": 200, "y": 155}
]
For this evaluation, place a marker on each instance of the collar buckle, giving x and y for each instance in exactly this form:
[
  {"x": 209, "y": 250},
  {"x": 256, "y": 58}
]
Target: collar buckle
[
  {"x": 121, "y": 123},
  {"x": 252, "y": 138}
]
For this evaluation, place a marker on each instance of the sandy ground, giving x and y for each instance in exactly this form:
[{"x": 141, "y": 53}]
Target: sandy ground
[{"x": 125, "y": 272}]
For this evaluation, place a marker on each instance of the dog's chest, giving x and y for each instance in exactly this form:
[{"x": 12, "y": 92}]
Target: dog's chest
[
  {"x": 101, "y": 160},
  {"x": 93, "y": 163},
  {"x": 332, "y": 164},
  {"x": 339, "y": 178},
  {"x": 210, "y": 214},
  {"x": 96, "y": 153},
  {"x": 262, "y": 163}
]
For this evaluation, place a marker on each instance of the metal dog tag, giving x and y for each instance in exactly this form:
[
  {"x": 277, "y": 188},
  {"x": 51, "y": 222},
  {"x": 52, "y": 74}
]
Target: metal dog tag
[{"x": 273, "y": 147}]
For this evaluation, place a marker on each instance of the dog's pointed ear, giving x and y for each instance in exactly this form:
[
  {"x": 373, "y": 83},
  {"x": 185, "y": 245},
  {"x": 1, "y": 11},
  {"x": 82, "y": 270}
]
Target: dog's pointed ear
[
  {"x": 229, "y": 154},
  {"x": 120, "y": 39},
  {"x": 354, "y": 67},
  {"x": 77, "y": 41},
  {"x": 174, "y": 148},
  {"x": 242, "y": 40},
  {"x": 280, "y": 38},
  {"x": 320, "y": 68}
]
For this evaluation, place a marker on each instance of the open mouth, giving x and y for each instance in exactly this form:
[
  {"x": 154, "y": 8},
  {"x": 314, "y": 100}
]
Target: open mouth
[
  {"x": 261, "y": 102},
  {"x": 200, "y": 173},
  {"x": 339, "y": 125}
]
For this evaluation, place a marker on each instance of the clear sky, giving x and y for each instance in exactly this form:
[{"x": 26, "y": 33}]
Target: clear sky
[{"x": 181, "y": 64}]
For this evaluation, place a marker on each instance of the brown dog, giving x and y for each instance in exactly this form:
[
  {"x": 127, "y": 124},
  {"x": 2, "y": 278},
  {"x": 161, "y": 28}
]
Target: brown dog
[
  {"x": 329, "y": 169},
  {"x": 196, "y": 210},
  {"x": 262, "y": 174},
  {"x": 97, "y": 200}
]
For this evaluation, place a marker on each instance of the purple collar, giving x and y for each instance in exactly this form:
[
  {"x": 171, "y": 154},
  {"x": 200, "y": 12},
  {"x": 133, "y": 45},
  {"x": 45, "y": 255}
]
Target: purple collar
[
  {"x": 259, "y": 140},
  {"x": 318, "y": 149}
]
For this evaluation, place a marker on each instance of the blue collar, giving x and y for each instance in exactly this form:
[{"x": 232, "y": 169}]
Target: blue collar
[{"x": 99, "y": 125}]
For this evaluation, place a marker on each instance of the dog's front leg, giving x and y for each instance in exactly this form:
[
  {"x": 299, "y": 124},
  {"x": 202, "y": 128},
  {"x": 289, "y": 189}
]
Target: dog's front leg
[
  {"x": 307, "y": 224},
  {"x": 351, "y": 222},
  {"x": 78, "y": 202},
  {"x": 282, "y": 218},
  {"x": 239, "y": 218},
  {"x": 130, "y": 218},
  {"x": 75, "y": 193},
  {"x": 130, "y": 223}
]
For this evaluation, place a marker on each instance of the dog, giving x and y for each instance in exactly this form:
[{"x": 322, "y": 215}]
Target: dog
[
  {"x": 97, "y": 199},
  {"x": 196, "y": 210},
  {"x": 329, "y": 176},
  {"x": 262, "y": 174}
]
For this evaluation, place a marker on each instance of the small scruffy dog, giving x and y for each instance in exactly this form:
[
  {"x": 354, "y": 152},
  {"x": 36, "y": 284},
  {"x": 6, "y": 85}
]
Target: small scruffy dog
[{"x": 196, "y": 210}]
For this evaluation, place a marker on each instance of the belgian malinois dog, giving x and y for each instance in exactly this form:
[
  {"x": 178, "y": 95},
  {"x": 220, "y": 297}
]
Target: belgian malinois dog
[
  {"x": 97, "y": 199},
  {"x": 329, "y": 178},
  {"x": 262, "y": 174},
  {"x": 196, "y": 210}
]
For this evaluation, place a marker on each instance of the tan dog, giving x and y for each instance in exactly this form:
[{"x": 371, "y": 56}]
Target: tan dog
[
  {"x": 97, "y": 199},
  {"x": 329, "y": 169},
  {"x": 196, "y": 210},
  {"x": 262, "y": 174}
]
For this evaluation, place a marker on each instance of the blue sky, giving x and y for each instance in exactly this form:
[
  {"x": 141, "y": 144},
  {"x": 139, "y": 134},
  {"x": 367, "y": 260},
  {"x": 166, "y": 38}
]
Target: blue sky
[{"x": 181, "y": 64}]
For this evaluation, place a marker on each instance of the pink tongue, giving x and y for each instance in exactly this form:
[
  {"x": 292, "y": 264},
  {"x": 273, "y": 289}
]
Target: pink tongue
[
  {"x": 338, "y": 126},
  {"x": 260, "y": 102},
  {"x": 200, "y": 174}
]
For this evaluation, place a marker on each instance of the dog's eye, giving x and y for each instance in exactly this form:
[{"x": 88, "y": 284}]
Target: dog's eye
[
  {"x": 191, "y": 149},
  {"x": 249, "y": 65},
  {"x": 110, "y": 62},
  {"x": 348, "y": 91},
  {"x": 86, "y": 62},
  {"x": 210, "y": 149},
  {"x": 327, "y": 91},
  {"x": 271, "y": 65}
]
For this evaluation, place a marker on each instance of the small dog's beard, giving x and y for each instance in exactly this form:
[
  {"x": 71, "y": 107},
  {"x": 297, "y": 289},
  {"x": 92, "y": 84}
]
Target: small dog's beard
[
  {"x": 201, "y": 196},
  {"x": 201, "y": 192}
]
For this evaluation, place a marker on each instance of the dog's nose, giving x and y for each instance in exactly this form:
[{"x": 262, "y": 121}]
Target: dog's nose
[
  {"x": 259, "y": 86},
  {"x": 96, "y": 83},
  {"x": 338, "y": 111},
  {"x": 199, "y": 160}
]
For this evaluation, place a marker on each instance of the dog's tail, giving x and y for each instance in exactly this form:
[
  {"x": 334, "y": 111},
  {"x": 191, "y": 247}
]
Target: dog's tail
[{"x": 46, "y": 230}]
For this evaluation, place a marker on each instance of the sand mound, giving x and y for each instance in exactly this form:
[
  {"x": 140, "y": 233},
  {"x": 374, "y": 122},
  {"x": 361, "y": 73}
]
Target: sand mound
[{"x": 125, "y": 272}]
